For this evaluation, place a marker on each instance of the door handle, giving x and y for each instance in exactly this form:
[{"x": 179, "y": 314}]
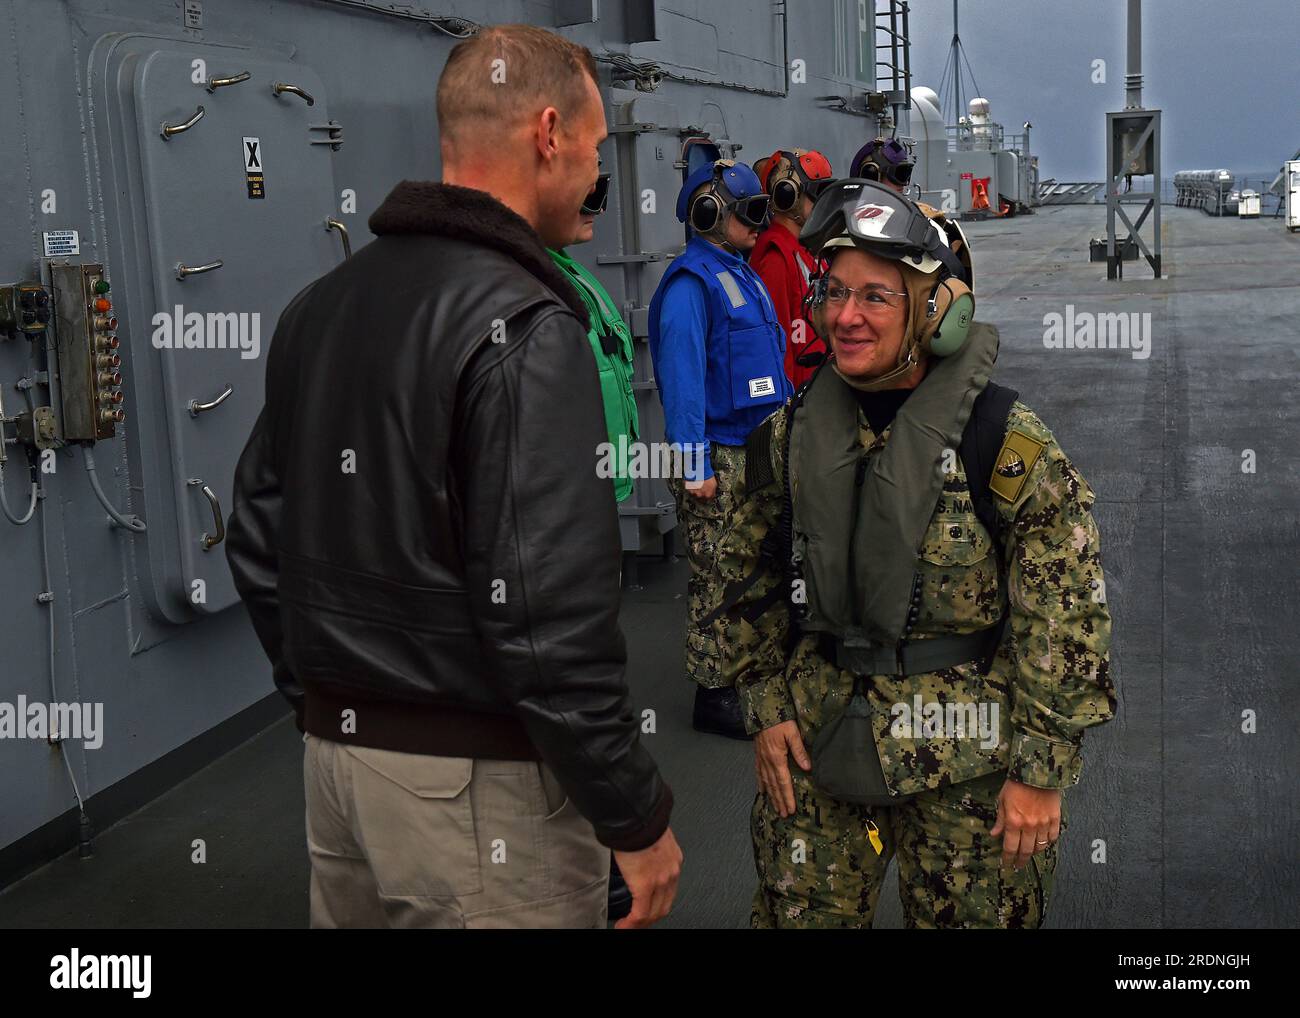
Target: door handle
[
  {"x": 209, "y": 541},
  {"x": 334, "y": 224},
  {"x": 169, "y": 129},
  {"x": 197, "y": 408},
  {"x": 280, "y": 87},
  {"x": 234, "y": 79},
  {"x": 183, "y": 270}
]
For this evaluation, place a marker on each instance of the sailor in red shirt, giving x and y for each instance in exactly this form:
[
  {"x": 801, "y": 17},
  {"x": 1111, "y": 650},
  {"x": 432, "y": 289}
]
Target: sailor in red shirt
[{"x": 793, "y": 178}]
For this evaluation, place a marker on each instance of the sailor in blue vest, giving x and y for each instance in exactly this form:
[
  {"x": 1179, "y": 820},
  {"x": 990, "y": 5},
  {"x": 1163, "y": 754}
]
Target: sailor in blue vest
[{"x": 718, "y": 352}]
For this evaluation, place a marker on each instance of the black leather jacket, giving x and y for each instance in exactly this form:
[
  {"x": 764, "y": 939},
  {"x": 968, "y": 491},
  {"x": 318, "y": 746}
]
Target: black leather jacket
[{"x": 419, "y": 531}]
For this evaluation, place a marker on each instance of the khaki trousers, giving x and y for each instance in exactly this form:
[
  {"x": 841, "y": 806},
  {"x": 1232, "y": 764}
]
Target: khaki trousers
[{"x": 415, "y": 841}]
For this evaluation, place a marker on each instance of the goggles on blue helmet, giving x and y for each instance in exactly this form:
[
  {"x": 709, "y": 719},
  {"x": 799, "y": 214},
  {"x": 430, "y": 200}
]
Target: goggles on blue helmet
[
  {"x": 751, "y": 211},
  {"x": 732, "y": 187}
]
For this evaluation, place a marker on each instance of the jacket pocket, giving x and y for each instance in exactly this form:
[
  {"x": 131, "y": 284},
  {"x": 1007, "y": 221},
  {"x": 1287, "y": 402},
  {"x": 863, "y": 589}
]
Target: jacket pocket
[
  {"x": 845, "y": 760},
  {"x": 756, "y": 370},
  {"x": 955, "y": 539},
  {"x": 329, "y": 588},
  {"x": 960, "y": 584}
]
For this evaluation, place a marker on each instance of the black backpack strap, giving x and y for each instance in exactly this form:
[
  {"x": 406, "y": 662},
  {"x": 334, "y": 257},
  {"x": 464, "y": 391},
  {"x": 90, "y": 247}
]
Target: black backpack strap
[
  {"x": 980, "y": 443},
  {"x": 758, "y": 456}
]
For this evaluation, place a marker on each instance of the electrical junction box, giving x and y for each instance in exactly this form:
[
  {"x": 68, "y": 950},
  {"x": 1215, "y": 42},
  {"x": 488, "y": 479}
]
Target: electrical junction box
[{"x": 86, "y": 346}]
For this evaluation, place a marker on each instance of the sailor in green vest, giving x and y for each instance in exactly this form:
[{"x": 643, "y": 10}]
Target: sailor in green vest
[
  {"x": 611, "y": 342},
  {"x": 915, "y": 612}
]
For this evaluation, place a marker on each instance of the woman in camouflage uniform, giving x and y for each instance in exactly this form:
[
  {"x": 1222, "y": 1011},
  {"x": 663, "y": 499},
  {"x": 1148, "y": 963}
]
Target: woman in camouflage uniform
[{"x": 922, "y": 629}]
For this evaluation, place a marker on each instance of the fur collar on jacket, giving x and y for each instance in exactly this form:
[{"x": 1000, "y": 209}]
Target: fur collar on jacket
[{"x": 463, "y": 213}]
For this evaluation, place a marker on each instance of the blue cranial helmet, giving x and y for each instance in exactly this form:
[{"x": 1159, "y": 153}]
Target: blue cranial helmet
[{"x": 733, "y": 182}]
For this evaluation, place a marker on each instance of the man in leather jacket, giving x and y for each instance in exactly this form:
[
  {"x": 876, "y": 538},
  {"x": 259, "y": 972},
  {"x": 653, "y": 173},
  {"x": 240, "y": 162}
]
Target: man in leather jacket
[{"x": 433, "y": 575}]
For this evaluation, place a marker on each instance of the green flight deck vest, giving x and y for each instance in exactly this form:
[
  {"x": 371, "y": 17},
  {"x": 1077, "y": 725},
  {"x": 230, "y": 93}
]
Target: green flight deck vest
[{"x": 611, "y": 342}]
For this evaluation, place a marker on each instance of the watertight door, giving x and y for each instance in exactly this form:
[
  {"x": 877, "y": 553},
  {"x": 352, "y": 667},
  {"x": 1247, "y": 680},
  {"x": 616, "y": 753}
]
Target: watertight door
[{"x": 236, "y": 207}]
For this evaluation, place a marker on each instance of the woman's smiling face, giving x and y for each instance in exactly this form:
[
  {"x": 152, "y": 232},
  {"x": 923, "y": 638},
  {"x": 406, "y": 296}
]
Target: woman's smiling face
[{"x": 866, "y": 338}]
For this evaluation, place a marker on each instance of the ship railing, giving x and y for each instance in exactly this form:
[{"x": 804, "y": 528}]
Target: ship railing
[{"x": 975, "y": 138}]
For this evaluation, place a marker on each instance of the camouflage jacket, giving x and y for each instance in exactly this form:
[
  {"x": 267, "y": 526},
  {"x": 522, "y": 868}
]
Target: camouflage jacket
[{"x": 1050, "y": 676}]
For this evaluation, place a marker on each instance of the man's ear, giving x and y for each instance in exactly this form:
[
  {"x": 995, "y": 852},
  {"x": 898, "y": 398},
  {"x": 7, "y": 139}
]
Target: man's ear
[{"x": 548, "y": 132}]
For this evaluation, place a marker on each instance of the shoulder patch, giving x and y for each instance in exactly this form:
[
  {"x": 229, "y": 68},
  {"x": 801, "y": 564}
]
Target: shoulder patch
[{"x": 1015, "y": 460}]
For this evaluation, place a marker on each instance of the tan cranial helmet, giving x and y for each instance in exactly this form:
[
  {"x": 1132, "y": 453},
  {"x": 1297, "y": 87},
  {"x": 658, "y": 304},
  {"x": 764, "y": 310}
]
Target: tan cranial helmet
[{"x": 881, "y": 222}]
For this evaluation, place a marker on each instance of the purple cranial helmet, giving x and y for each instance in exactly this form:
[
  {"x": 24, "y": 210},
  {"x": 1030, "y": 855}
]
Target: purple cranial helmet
[{"x": 883, "y": 159}]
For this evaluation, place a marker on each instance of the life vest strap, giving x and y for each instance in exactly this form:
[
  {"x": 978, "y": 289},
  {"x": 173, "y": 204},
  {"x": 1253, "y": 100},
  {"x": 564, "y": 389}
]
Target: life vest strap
[{"x": 912, "y": 657}]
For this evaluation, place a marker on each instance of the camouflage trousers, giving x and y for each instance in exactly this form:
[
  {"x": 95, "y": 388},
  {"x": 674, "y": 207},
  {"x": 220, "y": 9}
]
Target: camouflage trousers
[
  {"x": 817, "y": 868},
  {"x": 700, "y": 523}
]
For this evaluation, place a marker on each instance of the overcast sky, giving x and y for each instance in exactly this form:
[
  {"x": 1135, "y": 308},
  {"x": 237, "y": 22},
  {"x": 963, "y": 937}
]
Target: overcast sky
[{"x": 1225, "y": 75}]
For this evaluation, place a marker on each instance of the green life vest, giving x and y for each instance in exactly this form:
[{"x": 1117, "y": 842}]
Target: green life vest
[
  {"x": 611, "y": 342},
  {"x": 859, "y": 518}
]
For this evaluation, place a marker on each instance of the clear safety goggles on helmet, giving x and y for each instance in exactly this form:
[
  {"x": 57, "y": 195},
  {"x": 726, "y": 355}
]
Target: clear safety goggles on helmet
[{"x": 870, "y": 215}]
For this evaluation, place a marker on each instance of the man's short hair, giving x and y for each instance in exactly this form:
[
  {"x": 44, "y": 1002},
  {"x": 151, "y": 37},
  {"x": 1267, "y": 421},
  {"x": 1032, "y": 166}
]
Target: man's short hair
[{"x": 537, "y": 68}]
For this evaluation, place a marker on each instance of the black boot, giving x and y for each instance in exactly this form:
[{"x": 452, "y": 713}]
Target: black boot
[
  {"x": 620, "y": 897},
  {"x": 718, "y": 711}
]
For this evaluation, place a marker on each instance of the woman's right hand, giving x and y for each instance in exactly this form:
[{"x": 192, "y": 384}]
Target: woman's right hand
[{"x": 773, "y": 748}]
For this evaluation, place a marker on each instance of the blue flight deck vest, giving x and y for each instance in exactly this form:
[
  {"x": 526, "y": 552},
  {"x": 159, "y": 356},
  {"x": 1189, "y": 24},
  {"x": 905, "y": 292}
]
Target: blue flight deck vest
[{"x": 745, "y": 346}]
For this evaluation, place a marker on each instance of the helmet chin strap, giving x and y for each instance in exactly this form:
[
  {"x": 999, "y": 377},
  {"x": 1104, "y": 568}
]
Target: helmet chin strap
[
  {"x": 720, "y": 232},
  {"x": 885, "y": 381},
  {"x": 794, "y": 213}
]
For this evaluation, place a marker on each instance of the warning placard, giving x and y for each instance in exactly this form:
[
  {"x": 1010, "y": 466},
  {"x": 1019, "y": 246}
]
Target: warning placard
[
  {"x": 61, "y": 242},
  {"x": 253, "y": 168}
]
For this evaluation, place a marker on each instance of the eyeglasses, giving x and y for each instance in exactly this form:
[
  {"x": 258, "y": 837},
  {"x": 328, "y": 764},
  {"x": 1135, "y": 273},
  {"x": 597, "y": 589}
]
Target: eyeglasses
[{"x": 869, "y": 298}]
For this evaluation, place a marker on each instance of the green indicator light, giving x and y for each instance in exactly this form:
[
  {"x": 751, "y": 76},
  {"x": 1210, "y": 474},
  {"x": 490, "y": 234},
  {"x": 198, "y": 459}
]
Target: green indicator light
[{"x": 101, "y": 286}]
